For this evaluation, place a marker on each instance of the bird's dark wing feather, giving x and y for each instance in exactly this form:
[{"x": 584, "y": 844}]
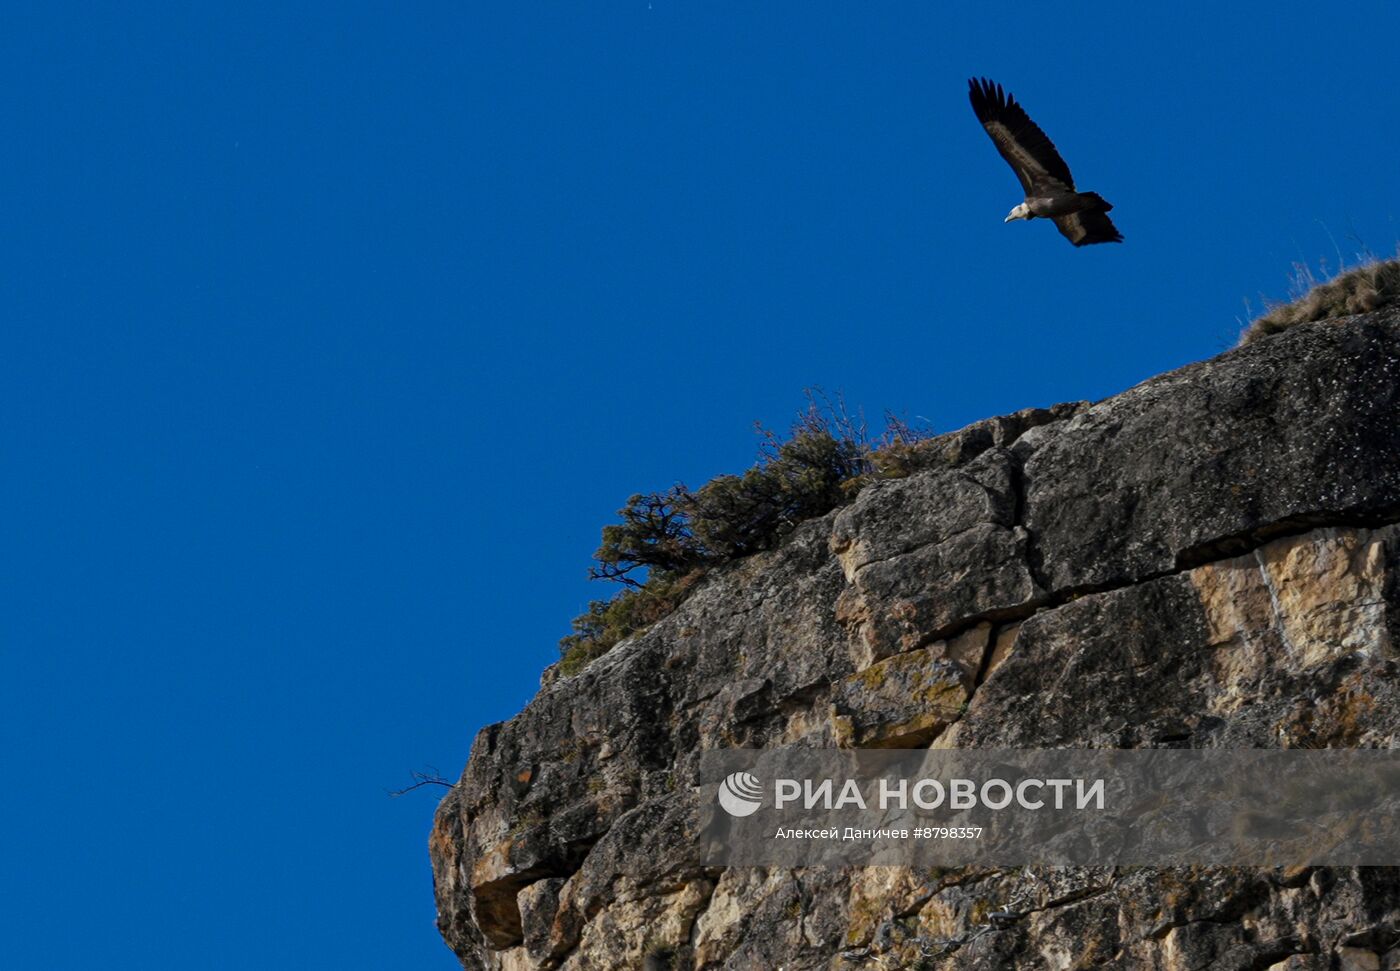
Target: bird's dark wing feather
[
  {"x": 1026, "y": 148},
  {"x": 1088, "y": 226}
]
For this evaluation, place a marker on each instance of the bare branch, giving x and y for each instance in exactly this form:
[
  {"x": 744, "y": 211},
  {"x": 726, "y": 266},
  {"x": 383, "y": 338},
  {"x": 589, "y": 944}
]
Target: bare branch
[{"x": 431, "y": 777}]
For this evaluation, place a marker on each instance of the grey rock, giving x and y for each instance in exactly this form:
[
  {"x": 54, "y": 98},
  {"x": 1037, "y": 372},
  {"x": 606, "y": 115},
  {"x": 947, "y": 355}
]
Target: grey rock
[
  {"x": 931, "y": 554},
  {"x": 1215, "y": 457},
  {"x": 1209, "y": 559}
]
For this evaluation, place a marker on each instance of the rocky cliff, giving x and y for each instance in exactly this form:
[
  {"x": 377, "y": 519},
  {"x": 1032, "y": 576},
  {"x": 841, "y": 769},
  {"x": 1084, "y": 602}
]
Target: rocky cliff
[{"x": 1210, "y": 559}]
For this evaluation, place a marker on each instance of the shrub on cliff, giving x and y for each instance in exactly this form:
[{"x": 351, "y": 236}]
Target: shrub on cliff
[
  {"x": 664, "y": 542},
  {"x": 1371, "y": 286},
  {"x": 795, "y": 480},
  {"x": 655, "y": 534},
  {"x": 824, "y": 460}
]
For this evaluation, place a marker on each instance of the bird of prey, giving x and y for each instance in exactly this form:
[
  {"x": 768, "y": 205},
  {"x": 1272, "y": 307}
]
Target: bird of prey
[{"x": 1082, "y": 217}]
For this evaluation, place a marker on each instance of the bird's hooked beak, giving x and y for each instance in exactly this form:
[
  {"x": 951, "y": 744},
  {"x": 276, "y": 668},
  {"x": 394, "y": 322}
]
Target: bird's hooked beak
[{"x": 1020, "y": 212}]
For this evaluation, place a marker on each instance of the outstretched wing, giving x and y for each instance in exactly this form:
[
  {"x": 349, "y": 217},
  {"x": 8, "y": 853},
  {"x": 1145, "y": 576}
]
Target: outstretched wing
[
  {"x": 1088, "y": 226},
  {"x": 1020, "y": 141}
]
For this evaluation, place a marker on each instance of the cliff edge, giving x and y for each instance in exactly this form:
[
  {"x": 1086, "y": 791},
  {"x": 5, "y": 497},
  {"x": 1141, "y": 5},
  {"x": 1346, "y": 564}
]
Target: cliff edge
[{"x": 1208, "y": 560}]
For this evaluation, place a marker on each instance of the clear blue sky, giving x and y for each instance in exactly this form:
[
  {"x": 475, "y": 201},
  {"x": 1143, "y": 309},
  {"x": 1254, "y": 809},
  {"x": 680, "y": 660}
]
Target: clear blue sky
[{"x": 334, "y": 333}]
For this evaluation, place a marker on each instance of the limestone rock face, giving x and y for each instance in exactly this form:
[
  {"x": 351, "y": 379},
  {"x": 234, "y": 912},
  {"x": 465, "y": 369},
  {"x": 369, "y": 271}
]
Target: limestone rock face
[{"x": 1210, "y": 559}]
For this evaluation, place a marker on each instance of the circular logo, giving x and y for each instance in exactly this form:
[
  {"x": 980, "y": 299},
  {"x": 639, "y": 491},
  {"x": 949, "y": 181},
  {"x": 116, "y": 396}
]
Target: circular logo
[{"x": 740, "y": 794}]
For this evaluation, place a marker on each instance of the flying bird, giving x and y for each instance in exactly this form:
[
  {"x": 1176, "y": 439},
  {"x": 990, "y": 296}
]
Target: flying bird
[{"x": 1082, "y": 217}]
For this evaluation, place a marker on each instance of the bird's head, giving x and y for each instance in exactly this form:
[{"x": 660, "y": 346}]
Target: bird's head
[{"x": 1020, "y": 212}]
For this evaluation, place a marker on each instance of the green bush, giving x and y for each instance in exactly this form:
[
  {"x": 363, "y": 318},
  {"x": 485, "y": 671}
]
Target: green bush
[
  {"x": 670, "y": 539},
  {"x": 655, "y": 534},
  {"x": 1371, "y": 286},
  {"x": 735, "y": 515}
]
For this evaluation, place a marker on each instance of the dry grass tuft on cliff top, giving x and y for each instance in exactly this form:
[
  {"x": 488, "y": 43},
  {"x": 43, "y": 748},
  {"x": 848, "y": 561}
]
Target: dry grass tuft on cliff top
[{"x": 1370, "y": 286}]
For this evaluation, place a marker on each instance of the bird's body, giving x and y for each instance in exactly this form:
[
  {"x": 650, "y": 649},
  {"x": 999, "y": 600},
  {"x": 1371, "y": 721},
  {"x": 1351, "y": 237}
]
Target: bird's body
[
  {"x": 1081, "y": 217},
  {"x": 1051, "y": 204}
]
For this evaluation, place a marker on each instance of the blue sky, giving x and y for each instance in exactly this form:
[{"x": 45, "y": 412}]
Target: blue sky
[{"x": 335, "y": 333}]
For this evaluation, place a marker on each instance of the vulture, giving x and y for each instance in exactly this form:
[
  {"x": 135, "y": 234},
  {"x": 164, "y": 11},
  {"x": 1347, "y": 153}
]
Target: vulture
[{"x": 1081, "y": 217}]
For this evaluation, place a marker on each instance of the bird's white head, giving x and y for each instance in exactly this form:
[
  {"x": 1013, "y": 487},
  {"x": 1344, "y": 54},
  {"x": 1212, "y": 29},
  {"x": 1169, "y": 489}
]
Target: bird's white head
[{"x": 1022, "y": 211}]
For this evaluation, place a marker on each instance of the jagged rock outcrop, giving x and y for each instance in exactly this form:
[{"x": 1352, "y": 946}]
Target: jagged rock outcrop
[{"x": 1210, "y": 559}]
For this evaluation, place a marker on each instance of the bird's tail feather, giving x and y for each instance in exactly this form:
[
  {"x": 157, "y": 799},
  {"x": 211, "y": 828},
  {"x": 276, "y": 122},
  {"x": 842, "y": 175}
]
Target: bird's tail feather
[{"x": 1099, "y": 201}]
